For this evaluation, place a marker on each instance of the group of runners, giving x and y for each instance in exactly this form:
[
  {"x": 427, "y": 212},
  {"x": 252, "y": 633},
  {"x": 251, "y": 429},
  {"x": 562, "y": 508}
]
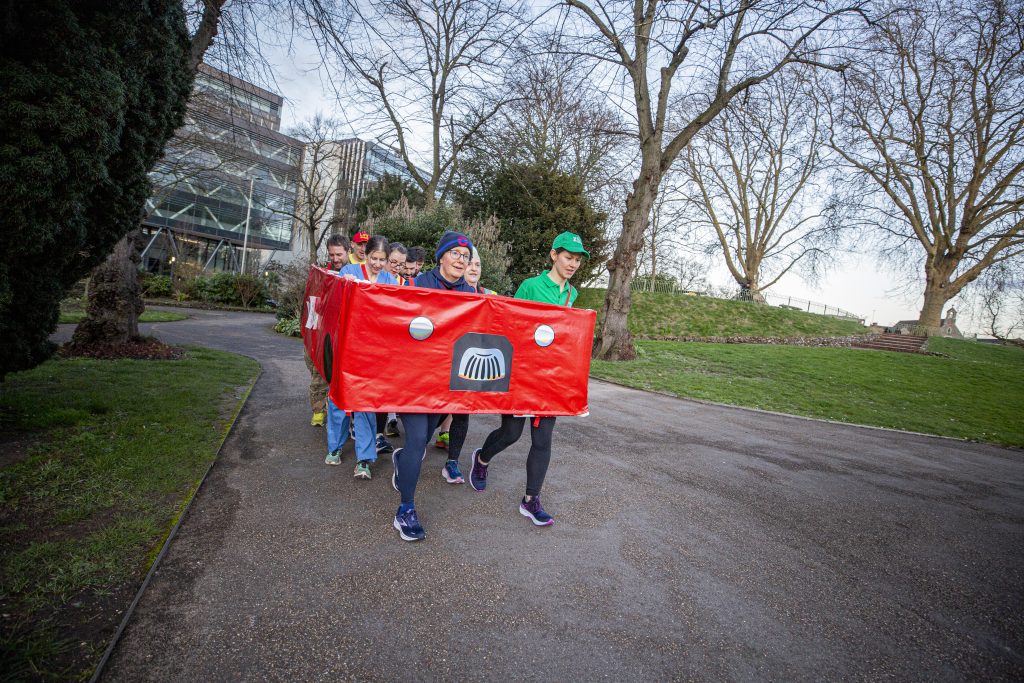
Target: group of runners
[{"x": 457, "y": 268}]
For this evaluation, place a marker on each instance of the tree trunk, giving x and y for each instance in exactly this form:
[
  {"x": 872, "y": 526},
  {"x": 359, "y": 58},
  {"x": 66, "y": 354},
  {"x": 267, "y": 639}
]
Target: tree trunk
[
  {"x": 115, "y": 298},
  {"x": 929, "y": 322},
  {"x": 613, "y": 340},
  {"x": 937, "y": 292}
]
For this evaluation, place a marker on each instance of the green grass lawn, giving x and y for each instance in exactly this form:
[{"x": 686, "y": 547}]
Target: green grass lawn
[
  {"x": 99, "y": 459},
  {"x": 976, "y": 393},
  {"x": 77, "y": 316},
  {"x": 678, "y": 315}
]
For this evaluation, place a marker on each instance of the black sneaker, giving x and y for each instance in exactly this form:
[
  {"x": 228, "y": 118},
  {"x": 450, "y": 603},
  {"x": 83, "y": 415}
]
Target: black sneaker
[
  {"x": 478, "y": 472},
  {"x": 391, "y": 428},
  {"x": 408, "y": 525},
  {"x": 535, "y": 512},
  {"x": 383, "y": 445}
]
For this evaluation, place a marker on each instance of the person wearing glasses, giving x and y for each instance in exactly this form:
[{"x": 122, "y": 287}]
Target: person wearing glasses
[
  {"x": 364, "y": 423},
  {"x": 397, "y": 255},
  {"x": 455, "y": 427},
  {"x": 452, "y": 256}
]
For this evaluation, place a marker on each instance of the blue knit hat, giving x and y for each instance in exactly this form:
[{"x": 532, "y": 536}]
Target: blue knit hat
[{"x": 449, "y": 240}]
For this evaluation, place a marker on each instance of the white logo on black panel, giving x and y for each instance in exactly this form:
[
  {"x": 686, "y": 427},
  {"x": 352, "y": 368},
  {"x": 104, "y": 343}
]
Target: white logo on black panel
[
  {"x": 482, "y": 365},
  {"x": 481, "y": 362}
]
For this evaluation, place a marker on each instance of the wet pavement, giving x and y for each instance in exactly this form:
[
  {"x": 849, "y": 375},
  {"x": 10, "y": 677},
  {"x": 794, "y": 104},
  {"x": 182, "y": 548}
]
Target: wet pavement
[{"x": 692, "y": 542}]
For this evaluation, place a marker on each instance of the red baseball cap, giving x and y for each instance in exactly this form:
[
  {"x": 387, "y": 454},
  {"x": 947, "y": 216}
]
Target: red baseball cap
[{"x": 361, "y": 236}]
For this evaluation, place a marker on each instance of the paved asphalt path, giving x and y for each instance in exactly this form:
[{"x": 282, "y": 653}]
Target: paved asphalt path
[{"x": 693, "y": 542}]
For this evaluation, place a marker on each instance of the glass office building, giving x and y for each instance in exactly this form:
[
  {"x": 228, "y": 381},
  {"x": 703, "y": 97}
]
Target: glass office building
[
  {"x": 361, "y": 166},
  {"x": 201, "y": 215}
]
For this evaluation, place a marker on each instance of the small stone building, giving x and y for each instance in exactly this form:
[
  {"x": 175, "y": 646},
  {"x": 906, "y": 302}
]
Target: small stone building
[{"x": 948, "y": 326}]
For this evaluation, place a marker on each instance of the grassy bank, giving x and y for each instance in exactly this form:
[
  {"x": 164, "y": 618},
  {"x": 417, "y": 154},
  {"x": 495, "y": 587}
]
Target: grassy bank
[
  {"x": 977, "y": 392},
  {"x": 656, "y": 314},
  {"x": 77, "y": 316},
  {"x": 99, "y": 459}
]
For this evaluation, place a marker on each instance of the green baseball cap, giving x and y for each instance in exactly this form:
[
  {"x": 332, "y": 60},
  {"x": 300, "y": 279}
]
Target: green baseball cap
[{"x": 570, "y": 242}]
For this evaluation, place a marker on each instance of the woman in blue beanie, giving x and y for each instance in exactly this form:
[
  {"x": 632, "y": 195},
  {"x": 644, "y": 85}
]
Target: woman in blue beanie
[{"x": 452, "y": 257}]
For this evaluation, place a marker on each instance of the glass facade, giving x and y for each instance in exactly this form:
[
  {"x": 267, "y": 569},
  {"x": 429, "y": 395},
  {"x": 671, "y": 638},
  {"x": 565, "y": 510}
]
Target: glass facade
[
  {"x": 362, "y": 165},
  {"x": 229, "y": 143}
]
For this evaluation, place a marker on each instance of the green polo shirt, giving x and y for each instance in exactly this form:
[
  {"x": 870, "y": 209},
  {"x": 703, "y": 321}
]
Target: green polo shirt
[{"x": 543, "y": 289}]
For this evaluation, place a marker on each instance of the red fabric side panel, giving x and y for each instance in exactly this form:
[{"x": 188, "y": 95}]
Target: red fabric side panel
[{"x": 379, "y": 366}]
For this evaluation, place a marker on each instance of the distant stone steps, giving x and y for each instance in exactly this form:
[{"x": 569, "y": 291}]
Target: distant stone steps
[{"x": 903, "y": 343}]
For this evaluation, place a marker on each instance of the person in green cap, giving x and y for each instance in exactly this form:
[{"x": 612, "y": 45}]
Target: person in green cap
[{"x": 551, "y": 287}]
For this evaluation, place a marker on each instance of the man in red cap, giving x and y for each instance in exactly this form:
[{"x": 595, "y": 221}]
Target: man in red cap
[{"x": 358, "y": 252}]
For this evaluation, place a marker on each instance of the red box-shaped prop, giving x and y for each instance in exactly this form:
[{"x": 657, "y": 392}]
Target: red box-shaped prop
[{"x": 404, "y": 349}]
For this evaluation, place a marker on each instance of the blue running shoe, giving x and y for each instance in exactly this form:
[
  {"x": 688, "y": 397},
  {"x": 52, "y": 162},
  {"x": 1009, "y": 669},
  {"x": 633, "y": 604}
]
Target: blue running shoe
[
  {"x": 535, "y": 512},
  {"x": 394, "y": 461},
  {"x": 408, "y": 525},
  {"x": 478, "y": 472},
  {"x": 451, "y": 472},
  {"x": 383, "y": 445}
]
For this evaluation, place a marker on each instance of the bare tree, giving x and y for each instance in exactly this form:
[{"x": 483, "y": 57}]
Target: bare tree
[
  {"x": 931, "y": 125},
  {"x": 420, "y": 69},
  {"x": 230, "y": 35},
  {"x": 664, "y": 241},
  {"x": 998, "y": 300},
  {"x": 755, "y": 175},
  {"x": 319, "y": 187},
  {"x": 712, "y": 52},
  {"x": 556, "y": 119}
]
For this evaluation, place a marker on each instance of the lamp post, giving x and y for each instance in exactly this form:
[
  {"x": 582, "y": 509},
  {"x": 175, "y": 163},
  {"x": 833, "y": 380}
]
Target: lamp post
[{"x": 248, "y": 214}]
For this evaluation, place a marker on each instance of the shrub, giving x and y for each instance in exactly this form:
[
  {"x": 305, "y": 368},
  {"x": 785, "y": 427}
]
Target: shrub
[
  {"x": 230, "y": 289},
  {"x": 250, "y": 290},
  {"x": 156, "y": 285},
  {"x": 291, "y": 289},
  {"x": 223, "y": 289},
  {"x": 291, "y": 326},
  {"x": 196, "y": 289}
]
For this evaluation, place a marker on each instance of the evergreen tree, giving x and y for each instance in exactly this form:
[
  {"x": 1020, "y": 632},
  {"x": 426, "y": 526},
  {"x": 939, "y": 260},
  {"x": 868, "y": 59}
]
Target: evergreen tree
[
  {"x": 535, "y": 203},
  {"x": 93, "y": 90}
]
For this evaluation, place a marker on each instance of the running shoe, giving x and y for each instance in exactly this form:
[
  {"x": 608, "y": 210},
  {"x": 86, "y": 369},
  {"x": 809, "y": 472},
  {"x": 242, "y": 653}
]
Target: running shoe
[
  {"x": 478, "y": 473},
  {"x": 383, "y": 445},
  {"x": 451, "y": 472},
  {"x": 535, "y": 512},
  {"x": 391, "y": 428},
  {"x": 442, "y": 441},
  {"x": 317, "y": 420},
  {"x": 333, "y": 458},
  {"x": 394, "y": 461},
  {"x": 408, "y": 525},
  {"x": 363, "y": 470}
]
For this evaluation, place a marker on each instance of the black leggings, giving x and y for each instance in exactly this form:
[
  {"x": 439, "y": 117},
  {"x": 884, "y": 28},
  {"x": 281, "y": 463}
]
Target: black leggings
[
  {"x": 457, "y": 435},
  {"x": 382, "y": 420},
  {"x": 540, "y": 448}
]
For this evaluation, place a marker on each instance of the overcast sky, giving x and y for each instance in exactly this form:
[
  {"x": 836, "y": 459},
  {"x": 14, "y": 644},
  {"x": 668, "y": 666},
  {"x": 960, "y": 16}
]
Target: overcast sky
[{"x": 856, "y": 285}]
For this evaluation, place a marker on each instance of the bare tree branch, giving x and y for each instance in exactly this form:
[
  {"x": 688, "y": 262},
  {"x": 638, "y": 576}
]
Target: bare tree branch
[{"x": 930, "y": 121}]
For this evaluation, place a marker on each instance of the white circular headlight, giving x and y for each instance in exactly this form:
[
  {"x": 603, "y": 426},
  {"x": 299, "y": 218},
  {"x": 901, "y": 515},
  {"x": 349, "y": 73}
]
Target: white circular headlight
[
  {"x": 420, "y": 328},
  {"x": 544, "y": 336}
]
